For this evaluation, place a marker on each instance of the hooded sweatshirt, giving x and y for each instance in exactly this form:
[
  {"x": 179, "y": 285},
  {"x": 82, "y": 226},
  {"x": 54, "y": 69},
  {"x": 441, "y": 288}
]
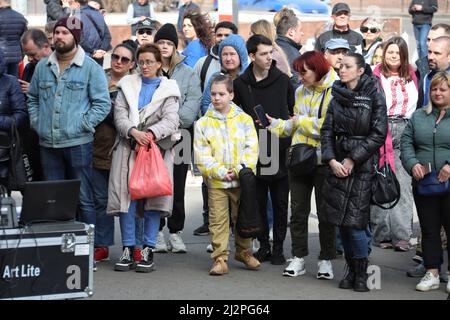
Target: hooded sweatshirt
[
  {"x": 223, "y": 142},
  {"x": 238, "y": 43},
  {"x": 276, "y": 94},
  {"x": 306, "y": 128}
]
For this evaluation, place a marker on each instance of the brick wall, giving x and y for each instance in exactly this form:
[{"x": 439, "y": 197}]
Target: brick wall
[
  {"x": 393, "y": 5},
  {"x": 310, "y": 28}
]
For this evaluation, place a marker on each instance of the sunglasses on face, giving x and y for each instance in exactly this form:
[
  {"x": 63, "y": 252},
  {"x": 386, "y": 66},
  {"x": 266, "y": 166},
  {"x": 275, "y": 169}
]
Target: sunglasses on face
[
  {"x": 147, "y": 31},
  {"x": 367, "y": 29},
  {"x": 118, "y": 58}
]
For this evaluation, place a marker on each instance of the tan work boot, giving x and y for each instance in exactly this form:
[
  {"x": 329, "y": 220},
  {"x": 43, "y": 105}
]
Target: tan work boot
[
  {"x": 248, "y": 259},
  {"x": 219, "y": 267}
]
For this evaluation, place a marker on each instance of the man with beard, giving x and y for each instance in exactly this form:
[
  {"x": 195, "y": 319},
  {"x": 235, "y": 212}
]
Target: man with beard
[
  {"x": 68, "y": 97},
  {"x": 438, "y": 60},
  {"x": 335, "y": 50}
]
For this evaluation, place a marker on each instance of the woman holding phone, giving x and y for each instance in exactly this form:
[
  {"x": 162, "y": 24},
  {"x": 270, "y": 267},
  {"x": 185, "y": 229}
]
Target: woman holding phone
[{"x": 312, "y": 100}]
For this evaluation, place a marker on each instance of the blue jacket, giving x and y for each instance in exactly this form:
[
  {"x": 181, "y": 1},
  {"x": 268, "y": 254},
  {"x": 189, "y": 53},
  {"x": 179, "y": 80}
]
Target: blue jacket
[
  {"x": 12, "y": 26},
  {"x": 12, "y": 104},
  {"x": 95, "y": 34},
  {"x": 193, "y": 52},
  {"x": 64, "y": 109},
  {"x": 238, "y": 43}
]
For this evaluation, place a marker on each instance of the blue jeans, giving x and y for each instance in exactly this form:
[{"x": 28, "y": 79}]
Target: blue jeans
[
  {"x": 104, "y": 227},
  {"x": 72, "y": 163},
  {"x": 139, "y": 231},
  {"x": 421, "y": 33},
  {"x": 369, "y": 237},
  {"x": 355, "y": 243},
  {"x": 128, "y": 228}
]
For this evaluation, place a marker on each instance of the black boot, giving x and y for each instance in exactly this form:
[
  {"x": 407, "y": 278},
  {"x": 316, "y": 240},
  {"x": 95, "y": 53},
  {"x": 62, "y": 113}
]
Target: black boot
[
  {"x": 361, "y": 275},
  {"x": 277, "y": 254},
  {"x": 349, "y": 280}
]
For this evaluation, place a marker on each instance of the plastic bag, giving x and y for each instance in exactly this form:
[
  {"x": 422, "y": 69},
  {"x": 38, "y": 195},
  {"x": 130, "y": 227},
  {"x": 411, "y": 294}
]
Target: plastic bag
[{"x": 150, "y": 177}]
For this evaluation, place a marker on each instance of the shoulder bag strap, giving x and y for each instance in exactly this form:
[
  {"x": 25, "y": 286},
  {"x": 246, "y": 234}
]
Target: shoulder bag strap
[
  {"x": 205, "y": 67},
  {"x": 319, "y": 114}
]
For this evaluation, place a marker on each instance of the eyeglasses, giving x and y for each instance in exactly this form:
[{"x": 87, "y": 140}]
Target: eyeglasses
[
  {"x": 149, "y": 32},
  {"x": 118, "y": 58},
  {"x": 366, "y": 29},
  {"x": 147, "y": 63}
]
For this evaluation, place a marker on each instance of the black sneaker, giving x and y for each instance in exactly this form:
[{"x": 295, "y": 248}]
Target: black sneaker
[
  {"x": 126, "y": 261},
  {"x": 203, "y": 230},
  {"x": 146, "y": 264},
  {"x": 277, "y": 258},
  {"x": 263, "y": 254}
]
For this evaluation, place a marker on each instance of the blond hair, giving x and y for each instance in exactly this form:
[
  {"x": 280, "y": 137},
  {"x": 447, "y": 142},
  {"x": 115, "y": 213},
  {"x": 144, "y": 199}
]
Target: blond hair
[
  {"x": 265, "y": 28},
  {"x": 284, "y": 12},
  {"x": 439, "y": 78}
]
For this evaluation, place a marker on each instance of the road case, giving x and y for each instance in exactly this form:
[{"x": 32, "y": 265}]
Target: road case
[{"x": 47, "y": 261}]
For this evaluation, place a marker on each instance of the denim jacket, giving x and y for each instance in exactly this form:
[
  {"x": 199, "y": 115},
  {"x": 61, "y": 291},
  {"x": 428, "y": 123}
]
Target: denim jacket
[{"x": 64, "y": 109}]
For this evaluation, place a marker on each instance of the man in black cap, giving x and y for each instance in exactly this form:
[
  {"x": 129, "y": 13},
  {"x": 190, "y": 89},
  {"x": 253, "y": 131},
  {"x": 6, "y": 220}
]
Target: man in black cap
[
  {"x": 341, "y": 29},
  {"x": 146, "y": 30}
]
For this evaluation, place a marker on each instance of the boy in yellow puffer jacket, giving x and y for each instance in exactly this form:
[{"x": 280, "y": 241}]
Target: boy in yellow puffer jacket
[{"x": 225, "y": 140}]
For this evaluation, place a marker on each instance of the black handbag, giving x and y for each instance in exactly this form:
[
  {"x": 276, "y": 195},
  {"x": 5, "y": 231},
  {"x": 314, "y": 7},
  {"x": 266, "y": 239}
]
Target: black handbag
[
  {"x": 301, "y": 158},
  {"x": 248, "y": 224},
  {"x": 17, "y": 176},
  {"x": 385, "y": 188}
]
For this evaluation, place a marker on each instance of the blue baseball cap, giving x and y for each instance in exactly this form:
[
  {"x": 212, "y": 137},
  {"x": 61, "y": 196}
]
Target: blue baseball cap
[{"x": 337, "y": 43}]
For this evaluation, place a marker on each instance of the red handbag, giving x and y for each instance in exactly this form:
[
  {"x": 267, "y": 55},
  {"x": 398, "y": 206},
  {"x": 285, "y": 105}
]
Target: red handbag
[{"x": 150, "y": 177}]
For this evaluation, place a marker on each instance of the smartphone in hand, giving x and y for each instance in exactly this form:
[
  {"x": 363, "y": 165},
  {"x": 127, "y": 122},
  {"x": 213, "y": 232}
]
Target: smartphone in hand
[{"x": 261, "y": 114}]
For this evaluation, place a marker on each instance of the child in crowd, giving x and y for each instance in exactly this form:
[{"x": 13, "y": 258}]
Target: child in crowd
[{"x": 225, "y": 141}]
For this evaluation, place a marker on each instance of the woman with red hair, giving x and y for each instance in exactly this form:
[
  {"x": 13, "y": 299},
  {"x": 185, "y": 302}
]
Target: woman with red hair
[{"x": 312, "y": 99}]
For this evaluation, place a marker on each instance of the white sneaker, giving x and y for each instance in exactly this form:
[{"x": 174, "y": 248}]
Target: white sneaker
[
  {"x": 161, "y": 246},
  {"x": 255, "y": 245},
  {"x": 209, "y": 248},
  {"x": 176, "y": 244},
  {"x": 271, "y": 235},
  {"x": 295, "y": 268},
  {"x": 325, "y": 270},
  {"x": 428, "y": 282},
  {"x": 448, "y": 285}
]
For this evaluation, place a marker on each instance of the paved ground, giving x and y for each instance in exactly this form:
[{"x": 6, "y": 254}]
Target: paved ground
[{"x": 185, "y": 276}]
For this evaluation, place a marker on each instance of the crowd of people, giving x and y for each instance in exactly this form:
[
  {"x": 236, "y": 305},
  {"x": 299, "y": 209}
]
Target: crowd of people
[{"x": 196, "y": 84}]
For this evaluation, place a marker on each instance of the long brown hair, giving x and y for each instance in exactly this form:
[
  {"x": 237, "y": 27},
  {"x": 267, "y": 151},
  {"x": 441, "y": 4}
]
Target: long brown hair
[
  {"x": 203, "y": 28},
  {"x": 404, "y": 59}
]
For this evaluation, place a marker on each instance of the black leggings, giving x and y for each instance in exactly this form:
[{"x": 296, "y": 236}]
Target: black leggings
[{"x": 433, "y": 212}]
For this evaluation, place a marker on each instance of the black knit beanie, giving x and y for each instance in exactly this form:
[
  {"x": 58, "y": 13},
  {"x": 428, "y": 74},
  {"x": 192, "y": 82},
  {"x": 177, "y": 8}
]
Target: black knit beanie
[{"x": 167, "y": 32}]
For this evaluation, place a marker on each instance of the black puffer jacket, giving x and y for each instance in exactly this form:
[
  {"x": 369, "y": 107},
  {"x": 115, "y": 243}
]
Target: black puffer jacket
[
  {"x": 355, "y": 127},
  {"x": 12, "y": 105},
  {"x": 12, "y": 25}
]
